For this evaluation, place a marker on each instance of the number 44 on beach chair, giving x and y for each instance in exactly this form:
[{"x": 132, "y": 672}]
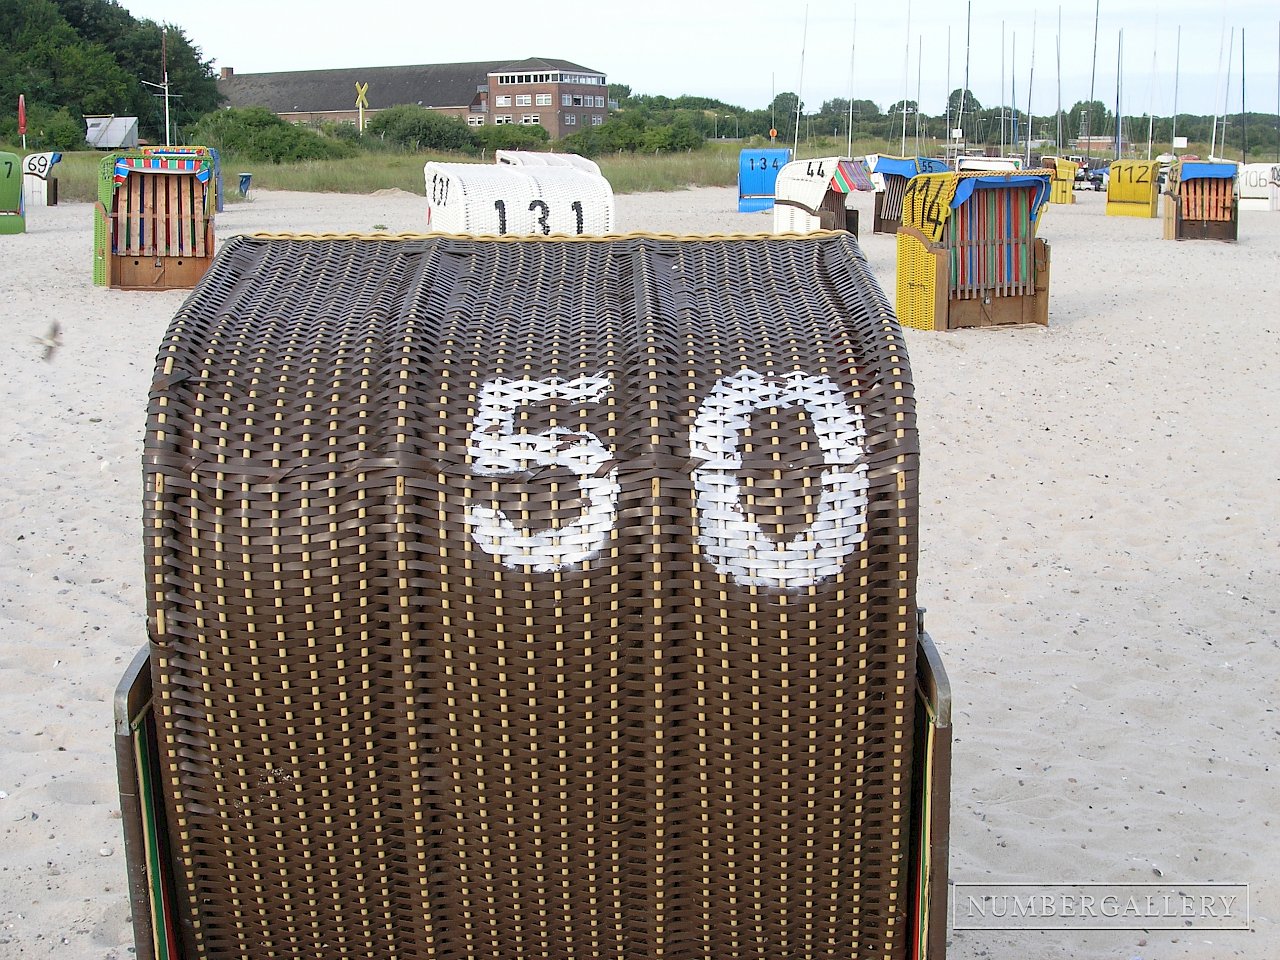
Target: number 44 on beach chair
[{"x": 534, "y": 598}]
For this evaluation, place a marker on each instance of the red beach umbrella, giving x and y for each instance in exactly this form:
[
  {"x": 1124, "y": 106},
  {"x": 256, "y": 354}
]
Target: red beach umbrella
[{"x": 22, "y": 115}]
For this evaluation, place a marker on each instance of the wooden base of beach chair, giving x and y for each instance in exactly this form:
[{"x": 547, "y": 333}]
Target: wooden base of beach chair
[
  {"x": 925, "y": 303},
  {"x": 156, "y": 273},
  {"x": 888, "y": 210}
]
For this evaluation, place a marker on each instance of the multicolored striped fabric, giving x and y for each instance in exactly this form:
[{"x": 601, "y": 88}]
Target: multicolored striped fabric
[{"x": 162, "y": 164}]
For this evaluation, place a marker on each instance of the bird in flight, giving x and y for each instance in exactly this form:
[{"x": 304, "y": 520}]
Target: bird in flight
[{"x": 51, "y": 341}]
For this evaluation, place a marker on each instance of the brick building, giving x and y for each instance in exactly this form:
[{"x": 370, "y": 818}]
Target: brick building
[{"x": 560, "y": 96}]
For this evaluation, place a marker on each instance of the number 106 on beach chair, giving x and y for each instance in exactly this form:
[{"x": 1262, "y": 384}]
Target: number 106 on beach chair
[{"x": 502, "y": 616}]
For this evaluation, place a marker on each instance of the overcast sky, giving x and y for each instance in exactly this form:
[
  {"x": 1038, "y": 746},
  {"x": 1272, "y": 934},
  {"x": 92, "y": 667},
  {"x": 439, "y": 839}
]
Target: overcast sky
[{"x": 742, "y": 52}]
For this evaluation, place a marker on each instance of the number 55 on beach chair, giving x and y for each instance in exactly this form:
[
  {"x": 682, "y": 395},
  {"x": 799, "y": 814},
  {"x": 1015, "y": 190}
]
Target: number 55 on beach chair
[{"x": 534, "y": 598}]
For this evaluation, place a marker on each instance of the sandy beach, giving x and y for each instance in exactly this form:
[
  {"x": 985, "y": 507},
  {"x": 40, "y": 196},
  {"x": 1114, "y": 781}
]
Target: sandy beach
[{"x": 1100, "y": 561}]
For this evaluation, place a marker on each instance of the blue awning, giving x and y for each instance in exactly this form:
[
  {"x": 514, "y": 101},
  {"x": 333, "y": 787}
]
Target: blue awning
[
  {"x": 901, "y": 166},
  {"x": 1204, "y": 170}
]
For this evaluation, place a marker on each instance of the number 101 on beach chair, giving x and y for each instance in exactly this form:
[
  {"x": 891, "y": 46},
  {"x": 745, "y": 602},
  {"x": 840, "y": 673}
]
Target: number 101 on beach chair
[{"x": 553, "y": 597}]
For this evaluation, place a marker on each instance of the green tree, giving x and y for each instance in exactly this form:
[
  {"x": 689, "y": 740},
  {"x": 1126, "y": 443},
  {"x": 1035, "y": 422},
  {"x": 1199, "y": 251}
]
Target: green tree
[
  {"x": 783, "y": 109},
  {"x": 959, "y": 97},
  {"x": 417, "y": 128},
  {"x": 509, "y": 136},
  {"x": 90, "y": 56},
  {"x": 1090, "y": 117},
  {"x": 255, "y": 133}
]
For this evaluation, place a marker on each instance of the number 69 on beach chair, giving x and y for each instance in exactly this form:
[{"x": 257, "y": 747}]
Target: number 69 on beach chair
[
  {"x": 153, "y": 222},
  {"x": 506, "y": 614}
]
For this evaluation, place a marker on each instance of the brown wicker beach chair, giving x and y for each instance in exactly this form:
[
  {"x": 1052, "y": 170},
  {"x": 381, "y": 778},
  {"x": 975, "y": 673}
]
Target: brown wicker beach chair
[{"x": 537, "y": 598}]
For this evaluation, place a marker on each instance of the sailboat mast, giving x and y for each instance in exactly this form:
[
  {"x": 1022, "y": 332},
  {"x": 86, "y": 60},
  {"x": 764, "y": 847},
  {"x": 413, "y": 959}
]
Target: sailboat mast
[
  {"x": 1001, "y": 87},
  {"x": 1031, "y": 82},
  {"x": 1151, "y": 96},
  {"x": 1177, "y": 69},
  {"x": 1213, "y": 133},
  {"x": 1226, "y": 87},
  {"x": 919, "y": 77},
  {"x": 1119, "y": 75},
  {"x": 1013, "y": 90},
  {"x": 1244, "y": 117},
  {"x": 1058, "y": 45},
  {"x": 947, "y": 133},
  {"x": 968, "y": 28},
  {"x": 795, "y": 143},
  {"x": 906, "y": 63},
  {"x": 853, "y": 55},
  {"x": 1093, "y": 77}
]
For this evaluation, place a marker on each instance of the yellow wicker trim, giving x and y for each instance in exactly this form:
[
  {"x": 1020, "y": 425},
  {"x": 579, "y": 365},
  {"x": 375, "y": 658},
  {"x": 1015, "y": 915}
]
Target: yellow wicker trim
[{"x": 555, "y": 237}]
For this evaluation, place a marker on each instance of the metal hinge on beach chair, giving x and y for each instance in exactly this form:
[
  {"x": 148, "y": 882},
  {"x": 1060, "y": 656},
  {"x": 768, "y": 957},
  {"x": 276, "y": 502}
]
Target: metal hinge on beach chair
[{"x": 534, "y": 598}]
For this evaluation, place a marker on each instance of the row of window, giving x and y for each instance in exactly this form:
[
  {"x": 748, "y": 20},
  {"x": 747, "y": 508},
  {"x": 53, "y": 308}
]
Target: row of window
[
  {"x": 570, "y": 119},
  {"x": 544, "y": 100},
  {"x": 522, "y": 100},
  {"x": 509, "y": 78}
]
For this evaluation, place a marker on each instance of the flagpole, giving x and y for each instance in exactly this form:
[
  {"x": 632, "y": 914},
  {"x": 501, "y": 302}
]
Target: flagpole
[
  {"x": 164, "y": 65},
  {"x": 804, "y": 42}
]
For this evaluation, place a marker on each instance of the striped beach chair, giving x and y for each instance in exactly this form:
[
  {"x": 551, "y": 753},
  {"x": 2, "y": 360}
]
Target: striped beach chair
[
  {"x": 968, "y": 254},
  {"x": 153, "y": 222},
  {"x": 1200, "y": 201}
]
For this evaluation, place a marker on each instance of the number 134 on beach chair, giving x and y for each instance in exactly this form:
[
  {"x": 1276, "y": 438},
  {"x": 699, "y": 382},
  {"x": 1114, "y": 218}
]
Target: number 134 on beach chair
[{"x": 552, "y": 598}]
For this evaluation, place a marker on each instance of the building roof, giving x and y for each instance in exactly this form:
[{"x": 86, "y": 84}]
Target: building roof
[
  {"x": 110, "y": 132},
  {"x": 430, "y": 85}
]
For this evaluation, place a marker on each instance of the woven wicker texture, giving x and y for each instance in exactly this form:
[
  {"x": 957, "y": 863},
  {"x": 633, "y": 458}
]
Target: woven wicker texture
[
  {"x": 535, "y": 598},
  {"x": 917, "y": 279},
  {"x": 506, "y": 199},
  {"x": 528, "y": 158},
  {"x": 102, "y": 219}
]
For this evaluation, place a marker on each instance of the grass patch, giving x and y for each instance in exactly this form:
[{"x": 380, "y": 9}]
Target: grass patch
[{"x": 714, "y": 165}]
